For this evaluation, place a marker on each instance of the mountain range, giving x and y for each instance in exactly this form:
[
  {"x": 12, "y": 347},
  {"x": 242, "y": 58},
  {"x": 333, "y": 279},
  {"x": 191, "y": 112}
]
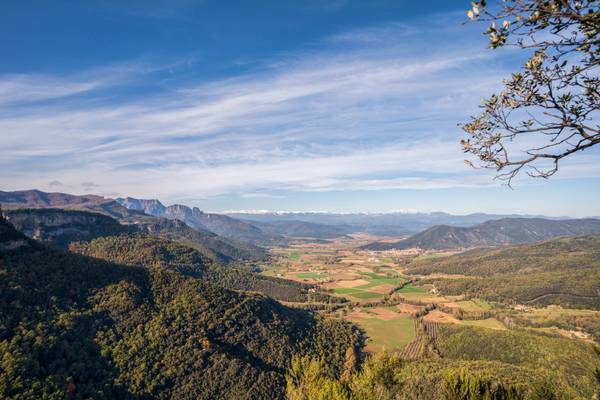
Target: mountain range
[
  {"x": 128, "y": 313},
  {"x": 391, "y": 224},
  {"x": 222, "y": 225},
  {"x": 241, "y": 235},
  {"x": 219, "y": 248},
  {"x": 493, "y": 233},
  {"x": 266, "y": 232}
]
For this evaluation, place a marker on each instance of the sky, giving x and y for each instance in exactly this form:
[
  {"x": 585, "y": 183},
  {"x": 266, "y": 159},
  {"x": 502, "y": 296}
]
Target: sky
[{"x": 299, "y": 105}]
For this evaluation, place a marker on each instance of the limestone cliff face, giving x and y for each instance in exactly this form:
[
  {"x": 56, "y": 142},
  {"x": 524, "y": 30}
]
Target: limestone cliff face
[
  {"x": 61, "y": 219},
  {"x": 222, "y": 225},
  {"x": 150, "y": 207},
  {"x": 180, "y": 212},
  {"x": 61, "y": 227}
]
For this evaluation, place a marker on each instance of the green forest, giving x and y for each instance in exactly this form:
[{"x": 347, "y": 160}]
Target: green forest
[
  {"x": 139, "y": 316},
  {"x": 562, "y": 271},
  {"x": 75, "y": 326}
]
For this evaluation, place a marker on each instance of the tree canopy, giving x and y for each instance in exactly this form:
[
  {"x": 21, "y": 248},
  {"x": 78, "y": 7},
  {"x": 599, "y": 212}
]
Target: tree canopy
[{"x": 548, "y": 110}]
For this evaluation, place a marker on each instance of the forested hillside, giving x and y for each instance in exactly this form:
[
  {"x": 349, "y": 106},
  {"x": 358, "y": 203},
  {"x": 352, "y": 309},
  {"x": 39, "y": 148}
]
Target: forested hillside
[
  {"x": 73, "y": 326},
  {"x": 219, "y": 248},
  {"x": 61, "y": 227},
  {"x": 465, "y": 363},
  {"x": 572, "y": 363},
  {"x": 562, "y": 271},
  {"x": 504, "y": 231},
  {"x": 143, "y": 250}
]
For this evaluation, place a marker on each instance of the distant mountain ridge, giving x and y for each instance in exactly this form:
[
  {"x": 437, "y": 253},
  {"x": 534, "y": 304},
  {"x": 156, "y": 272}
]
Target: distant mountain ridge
[
  {"x": 493, "y": 233},
  {"x": 218, "y": 248},
  {"x": 239, "y": 235},
  {"x": 392, "y": 224},
  {"x": 301, "y": 229},
  {"x": 61, "y": 227},
  {"x": 254, "y": 231},
  {"x": 222, "y": 225}
]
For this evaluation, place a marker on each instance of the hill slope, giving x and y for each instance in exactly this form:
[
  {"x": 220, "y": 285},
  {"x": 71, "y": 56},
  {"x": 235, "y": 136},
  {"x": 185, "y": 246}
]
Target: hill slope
[
  {"x": 493, "y": 233},
  {"x": 564, "y": 271},
  {"x": 78, "y": 327},
  {"x": 140, "y": 250},
  {"x": 222, "y": 225},
  {"x": 220, "y": 249},
  {"x": 466, "y": 363},
  {"x": 61, "y": 227},
  {"x": 67, "y": 228}
]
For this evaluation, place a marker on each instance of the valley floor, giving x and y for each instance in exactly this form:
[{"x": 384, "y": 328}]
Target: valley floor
[{"x": 388, "y": 302}]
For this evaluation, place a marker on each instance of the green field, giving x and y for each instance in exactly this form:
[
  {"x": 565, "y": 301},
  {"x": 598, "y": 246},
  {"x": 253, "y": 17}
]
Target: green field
[
  {"x": 412, "y": 291},
  {"x": 272, "y": 269},
  {"x": 358, "y": 293},
  {"x": 312, "y": 275},
  {"x": 346, "y": 291},
  {"x": 474, "y": 305},
  {"x": 367, "y": 295},
  {"x": 380, "y": 281},
  {"x": 557, "y": 312},
  {"x": 294, "y": 255},
  {"x": 388, "y": 334},
  {"x": 374, "y": 280},
  {"x": 491, "y": 323}
]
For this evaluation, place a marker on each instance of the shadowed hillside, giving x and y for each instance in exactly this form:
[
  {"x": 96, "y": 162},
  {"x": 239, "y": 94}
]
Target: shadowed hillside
[
  {"x": 73, "y": 326},
  {"x": 563, "y": 271},
  {"x": 142, "y": 250},
  {"x": 493, "y": 233},
  {"x": 61, "y": 227},
  {"x": 219, "y": 248}
]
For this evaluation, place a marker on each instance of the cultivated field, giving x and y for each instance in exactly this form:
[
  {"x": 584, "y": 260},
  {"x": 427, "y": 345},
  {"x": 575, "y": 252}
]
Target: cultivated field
[
  {"x": 392, "y": 307},
  {"x": 385, "y": 328},
  {"x": 383, "y": 301},
  {"x": 338, "y": 267}
]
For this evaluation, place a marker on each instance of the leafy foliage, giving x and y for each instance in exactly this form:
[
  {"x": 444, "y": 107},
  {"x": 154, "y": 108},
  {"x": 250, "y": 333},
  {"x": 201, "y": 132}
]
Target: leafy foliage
[
  {"x": 387, "y": 377},
  {"x": 555, "y": 98},
  {"x": 73, "y": 326},
  {"x": 562, "y": 271},
  {"x": 572, "y": 361},
  {"x": 143, "y": 250}
]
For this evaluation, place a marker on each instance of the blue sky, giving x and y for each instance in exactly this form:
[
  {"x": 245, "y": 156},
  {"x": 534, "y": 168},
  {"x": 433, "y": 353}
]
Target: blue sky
[{"x": 295, "y": 105}]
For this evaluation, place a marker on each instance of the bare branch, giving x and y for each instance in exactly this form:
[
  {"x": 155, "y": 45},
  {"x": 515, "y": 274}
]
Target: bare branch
[{"x": 555, "y": 98}]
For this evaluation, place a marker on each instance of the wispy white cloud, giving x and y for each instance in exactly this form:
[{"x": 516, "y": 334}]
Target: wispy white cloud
[
  {"x": 18, "y": 91},
  {"x": 374, "y": 116},
  {"x": 28, "y": 88},
  {"x": 320, "y": 173}
]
